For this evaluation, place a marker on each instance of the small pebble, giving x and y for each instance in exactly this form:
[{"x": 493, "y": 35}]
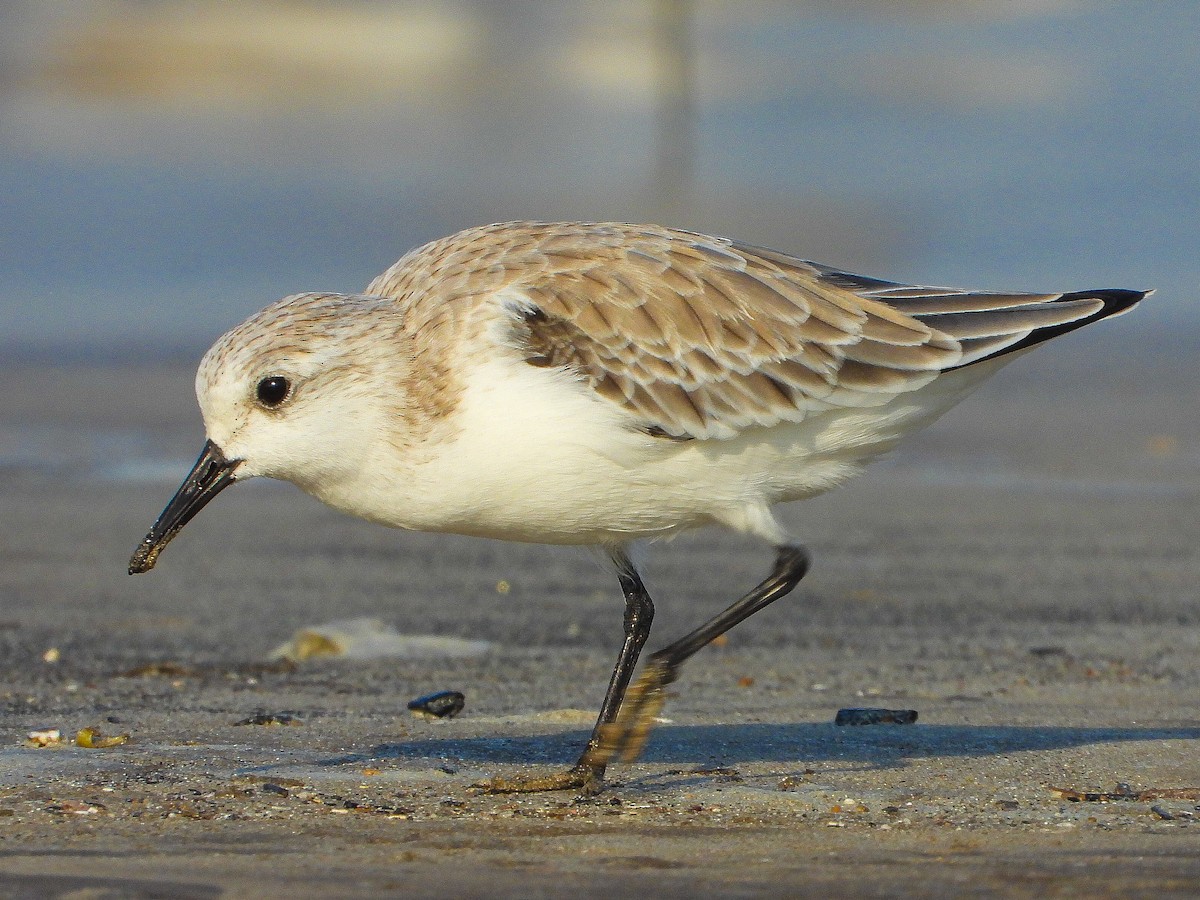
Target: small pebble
[
  {"x": 263, "y": 718},
  {"x": 45, "y": 737}
]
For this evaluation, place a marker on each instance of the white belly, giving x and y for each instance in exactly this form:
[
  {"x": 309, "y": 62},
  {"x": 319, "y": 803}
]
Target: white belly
[{"x": 538, "y": 457}]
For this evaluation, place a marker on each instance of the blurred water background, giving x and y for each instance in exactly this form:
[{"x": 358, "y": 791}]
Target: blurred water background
[{"x": 166, "y": 168}]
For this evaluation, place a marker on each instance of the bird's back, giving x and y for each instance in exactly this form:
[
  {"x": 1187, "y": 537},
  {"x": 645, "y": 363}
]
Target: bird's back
[{"x": 621, "y": 381}]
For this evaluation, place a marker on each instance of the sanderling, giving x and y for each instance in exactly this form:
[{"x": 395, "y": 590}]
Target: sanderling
[{"x": 598, "y": 384}]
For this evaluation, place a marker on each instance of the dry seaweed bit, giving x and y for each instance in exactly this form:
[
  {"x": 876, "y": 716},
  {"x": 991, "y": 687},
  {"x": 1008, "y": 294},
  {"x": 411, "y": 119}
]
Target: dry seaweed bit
[
  {"x": 268, "y": 719},
  {"x": 93, "y": 739},
  {"x": 442, "y": 705},
  {"x": 163, "y": 669},
  {"x": 867, "y": 716},
  {"x": 718, "y": 773}
]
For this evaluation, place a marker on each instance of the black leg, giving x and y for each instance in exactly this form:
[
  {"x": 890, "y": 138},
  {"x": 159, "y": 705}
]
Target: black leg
[
  {"x": 639, "y": 614},
  {"x": 588, "y": 773},
  {"x": 628, "y": 734}
]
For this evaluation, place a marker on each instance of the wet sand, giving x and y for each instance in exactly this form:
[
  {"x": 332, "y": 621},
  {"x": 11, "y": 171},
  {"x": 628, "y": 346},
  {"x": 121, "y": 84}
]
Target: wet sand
[{"x": 1023, "y": 575}]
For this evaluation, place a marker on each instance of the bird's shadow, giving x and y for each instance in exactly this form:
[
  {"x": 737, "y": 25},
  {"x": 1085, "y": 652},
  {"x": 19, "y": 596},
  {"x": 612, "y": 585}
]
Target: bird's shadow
[{"x": 882, "y": 747}]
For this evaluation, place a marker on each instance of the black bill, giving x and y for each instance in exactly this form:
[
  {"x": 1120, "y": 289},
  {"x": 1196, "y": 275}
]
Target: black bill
[{"x": 209, "y": 476}]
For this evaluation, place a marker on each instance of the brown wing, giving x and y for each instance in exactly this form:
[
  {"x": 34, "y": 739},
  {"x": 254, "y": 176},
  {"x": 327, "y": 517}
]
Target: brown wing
[{"x": 703, "y": 337}]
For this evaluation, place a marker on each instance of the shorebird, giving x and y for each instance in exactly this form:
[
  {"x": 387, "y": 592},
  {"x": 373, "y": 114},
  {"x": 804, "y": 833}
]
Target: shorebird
[{"x": 600, "y": 384}]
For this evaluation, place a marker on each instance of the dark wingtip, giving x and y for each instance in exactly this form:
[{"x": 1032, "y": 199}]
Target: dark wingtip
[{"x": 1116, "y": 301}]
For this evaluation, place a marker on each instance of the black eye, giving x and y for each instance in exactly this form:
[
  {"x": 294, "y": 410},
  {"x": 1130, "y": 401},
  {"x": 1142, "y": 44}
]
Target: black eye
[{"x": 273, "y": 390}]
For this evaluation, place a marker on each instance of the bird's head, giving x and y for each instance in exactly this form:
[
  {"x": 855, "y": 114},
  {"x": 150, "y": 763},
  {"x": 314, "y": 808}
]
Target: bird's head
[{"x": 296, "y": 392}]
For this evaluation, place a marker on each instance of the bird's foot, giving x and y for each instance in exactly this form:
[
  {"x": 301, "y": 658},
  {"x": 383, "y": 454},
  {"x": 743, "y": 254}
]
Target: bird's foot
[
  {"x": 626, "y": 737},
  {"x": 587, "y": 779},
  {"x": 623, "y": 738}
]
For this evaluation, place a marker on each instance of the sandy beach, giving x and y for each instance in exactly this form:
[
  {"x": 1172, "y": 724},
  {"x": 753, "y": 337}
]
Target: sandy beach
[{"x": 1023, "y": 575}]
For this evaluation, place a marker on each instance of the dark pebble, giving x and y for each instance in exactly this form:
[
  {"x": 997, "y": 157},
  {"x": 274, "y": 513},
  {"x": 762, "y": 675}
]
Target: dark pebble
[
  {"x": 875, "y": 717},
  {"x": 442, "y": 705}
]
